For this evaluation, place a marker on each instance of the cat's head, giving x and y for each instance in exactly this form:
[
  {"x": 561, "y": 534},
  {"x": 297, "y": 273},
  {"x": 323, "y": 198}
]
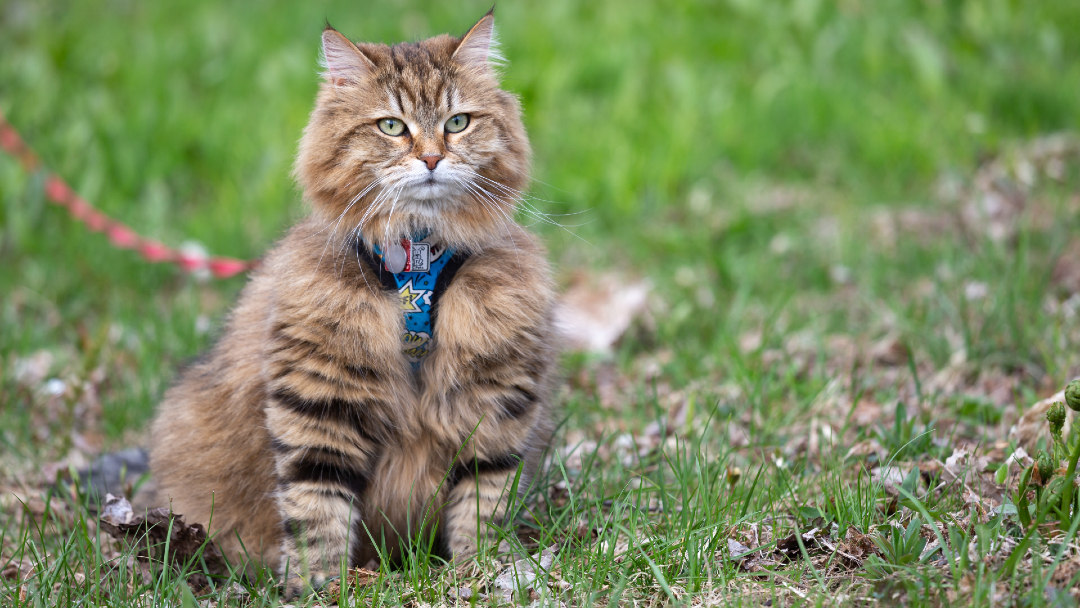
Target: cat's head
[{"x": 413, "y": 137}]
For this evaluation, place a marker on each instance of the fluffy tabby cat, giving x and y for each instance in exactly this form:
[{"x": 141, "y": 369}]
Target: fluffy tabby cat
[{"x": 308, "y": 436}]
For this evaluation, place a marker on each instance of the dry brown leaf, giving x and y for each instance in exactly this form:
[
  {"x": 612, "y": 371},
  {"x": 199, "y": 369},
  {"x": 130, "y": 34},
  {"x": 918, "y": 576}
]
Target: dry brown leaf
[
  {"x": 354, "y": 578},
  {"x": 789, "y": 548},
  {"x": 868, "y": 412},
  {"x": 890, "y": 478},
  {"x": 741, "y": 555},
  {"x": 1000, "y": 192},
  {"x": 866, "y": 448},
  {"x": 150, "y": 531},
  {"x": 858, "y": 544},
  {"x": 18, "y": 571},
  {"x": 890, "y": 350},
  {"x": 522, "y": 574},
  {"x": 32, "y": 371}
]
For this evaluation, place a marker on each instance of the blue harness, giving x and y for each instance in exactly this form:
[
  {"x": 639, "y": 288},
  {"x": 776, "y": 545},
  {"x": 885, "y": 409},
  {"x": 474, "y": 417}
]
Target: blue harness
[{"x": 418, "y": 291}]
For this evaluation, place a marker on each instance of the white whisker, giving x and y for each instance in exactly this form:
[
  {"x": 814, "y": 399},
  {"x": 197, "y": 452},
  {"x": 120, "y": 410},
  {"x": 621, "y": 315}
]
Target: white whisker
[
  {"x": 479, "y": 194},
  {"x": 516, "y": 198},
  {"x": 345, "y": 211}
]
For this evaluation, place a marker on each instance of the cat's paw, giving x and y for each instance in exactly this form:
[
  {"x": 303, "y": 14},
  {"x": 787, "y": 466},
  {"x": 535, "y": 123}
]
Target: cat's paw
[
  {"x": 293, "y": 587},
  {"x": 297, "y": 586}
]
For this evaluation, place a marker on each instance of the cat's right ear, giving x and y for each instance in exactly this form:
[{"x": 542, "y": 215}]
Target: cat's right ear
[{"x": 343, "y": 62}]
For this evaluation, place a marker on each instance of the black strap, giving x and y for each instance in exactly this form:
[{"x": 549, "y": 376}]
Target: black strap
[
  {"x": 443, "y": 281},
  {"x": 385, "y": 277}
]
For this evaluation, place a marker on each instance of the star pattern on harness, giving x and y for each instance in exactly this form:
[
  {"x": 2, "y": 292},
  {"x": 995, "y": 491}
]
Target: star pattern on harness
[
  {"x": 411, "y": 298},
  {"x": 417, "y": 290}
]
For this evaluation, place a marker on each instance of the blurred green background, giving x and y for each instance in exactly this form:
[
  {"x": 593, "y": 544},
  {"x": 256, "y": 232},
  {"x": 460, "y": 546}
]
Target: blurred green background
[{"x": 680, "y": 138}]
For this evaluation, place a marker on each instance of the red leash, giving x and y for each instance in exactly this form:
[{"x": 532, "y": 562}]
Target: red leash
[{"x": 58, "y": 192}]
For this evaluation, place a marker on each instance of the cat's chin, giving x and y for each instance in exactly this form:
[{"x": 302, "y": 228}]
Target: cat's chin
[{"x": 431, "y": 192}]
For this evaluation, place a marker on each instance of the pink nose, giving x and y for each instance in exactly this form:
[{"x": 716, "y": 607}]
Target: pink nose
[{"x": 431, "y": 160}]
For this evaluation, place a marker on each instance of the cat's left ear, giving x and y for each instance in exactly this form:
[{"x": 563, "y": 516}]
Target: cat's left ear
[{"x": 479, "y": 48}]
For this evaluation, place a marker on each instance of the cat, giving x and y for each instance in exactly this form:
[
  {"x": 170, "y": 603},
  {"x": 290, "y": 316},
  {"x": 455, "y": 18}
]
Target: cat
[{"x": 327, "y": 424}]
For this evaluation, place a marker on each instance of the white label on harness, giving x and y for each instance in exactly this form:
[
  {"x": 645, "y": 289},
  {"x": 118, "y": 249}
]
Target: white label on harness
[{"x": 419, "y": 257}]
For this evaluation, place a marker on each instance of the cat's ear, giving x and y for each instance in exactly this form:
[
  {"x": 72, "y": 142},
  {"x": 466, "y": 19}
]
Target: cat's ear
[
  {"x": 343, "y": 62},
  {"x": 479, "y": 47}
]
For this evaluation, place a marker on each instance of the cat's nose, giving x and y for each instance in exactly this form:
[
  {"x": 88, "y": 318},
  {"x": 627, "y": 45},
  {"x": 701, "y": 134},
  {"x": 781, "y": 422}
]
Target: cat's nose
[{"x": 431, "y": 160}]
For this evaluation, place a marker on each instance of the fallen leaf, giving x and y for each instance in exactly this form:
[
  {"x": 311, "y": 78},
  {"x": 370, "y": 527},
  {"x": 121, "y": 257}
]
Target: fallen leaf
[
  {"x": 891, "y": 350},
  {"x": 152, "y": 530},
  {"x": 889, "y": 477},
  {"x": 524, "y": 572},
  {"x": 789, "y": 546},
  {"x": 867, "y": 448},
  {"x": 354, "y": 578},
  {"x": 18, "y": 571},
  {"x": 742, "y": 555},
  {"x": 857, "y": 544}
]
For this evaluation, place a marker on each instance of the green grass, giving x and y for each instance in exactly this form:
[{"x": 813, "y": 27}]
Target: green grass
[{"x": 795, "y": 179}]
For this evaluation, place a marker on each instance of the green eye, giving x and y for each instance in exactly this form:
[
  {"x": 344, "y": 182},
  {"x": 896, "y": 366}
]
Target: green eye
[
  {"x": 392, "y": 126},
  {"x": 457, "y": 123}
]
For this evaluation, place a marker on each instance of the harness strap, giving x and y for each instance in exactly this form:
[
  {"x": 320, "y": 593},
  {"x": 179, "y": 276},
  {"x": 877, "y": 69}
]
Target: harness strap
[{"x": 418, "y": 293}]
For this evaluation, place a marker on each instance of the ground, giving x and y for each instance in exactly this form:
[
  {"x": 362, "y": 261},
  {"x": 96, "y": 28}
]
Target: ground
[{"x": 856, "y": 226}]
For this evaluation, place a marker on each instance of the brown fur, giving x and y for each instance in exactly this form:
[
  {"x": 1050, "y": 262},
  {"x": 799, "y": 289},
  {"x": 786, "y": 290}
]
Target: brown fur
[{"x": 305, "y": 430}]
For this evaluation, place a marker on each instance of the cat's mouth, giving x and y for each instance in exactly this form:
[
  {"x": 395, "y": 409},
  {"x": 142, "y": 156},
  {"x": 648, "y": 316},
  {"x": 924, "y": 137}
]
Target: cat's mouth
[
  {"x": 429, "y": 187},
  {"x": 423, "y": 185}
]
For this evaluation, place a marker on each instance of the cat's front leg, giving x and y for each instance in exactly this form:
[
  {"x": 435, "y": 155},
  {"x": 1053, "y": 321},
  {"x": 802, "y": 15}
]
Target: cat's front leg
[
  {"x": 336, "y": 393},
  {"x": 481, "y": 494},
  {"x": 323, "y": 470},
  {"x": 500, "y": 412},
  {"x": 489, "y": 388}
]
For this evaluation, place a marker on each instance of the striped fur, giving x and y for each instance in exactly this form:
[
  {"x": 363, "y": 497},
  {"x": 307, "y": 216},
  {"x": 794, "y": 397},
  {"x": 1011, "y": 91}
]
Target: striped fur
[{"x": 304, "y": 439}]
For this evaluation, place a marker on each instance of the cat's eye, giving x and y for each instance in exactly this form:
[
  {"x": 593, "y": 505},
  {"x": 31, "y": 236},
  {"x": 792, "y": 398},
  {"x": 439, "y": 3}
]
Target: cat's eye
[
  {"x": 392, "y": 126},
  {"x": 457, "y": 123}
]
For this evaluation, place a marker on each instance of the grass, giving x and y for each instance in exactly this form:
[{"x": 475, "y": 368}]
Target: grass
[{"x": 861, "y": 263}]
